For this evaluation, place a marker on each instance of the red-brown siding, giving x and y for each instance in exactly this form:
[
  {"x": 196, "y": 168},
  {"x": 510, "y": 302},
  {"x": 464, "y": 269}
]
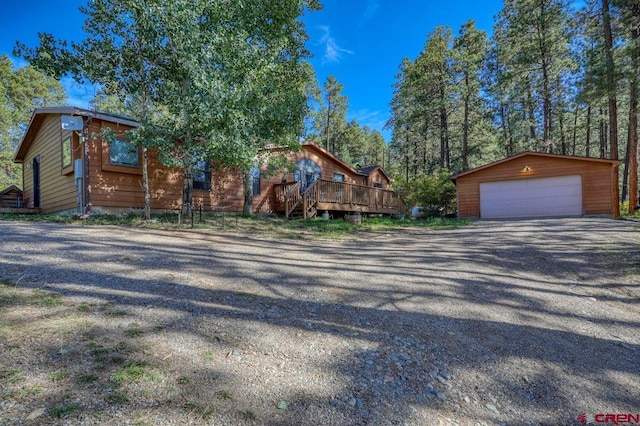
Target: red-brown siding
[
  {"x": 113, "y": 188},
  {"x": 596, "y": 180}
]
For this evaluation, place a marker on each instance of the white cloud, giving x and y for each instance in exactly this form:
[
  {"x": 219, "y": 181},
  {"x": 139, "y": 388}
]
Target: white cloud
[
  {"x": 374, "y": 119},
  {"x": 332, "y": 52},
  {"x": 369, "y": 12}
]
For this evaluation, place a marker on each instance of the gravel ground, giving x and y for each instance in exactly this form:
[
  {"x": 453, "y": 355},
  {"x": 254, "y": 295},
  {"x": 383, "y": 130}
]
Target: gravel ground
[{"x": 514, "y": 323}]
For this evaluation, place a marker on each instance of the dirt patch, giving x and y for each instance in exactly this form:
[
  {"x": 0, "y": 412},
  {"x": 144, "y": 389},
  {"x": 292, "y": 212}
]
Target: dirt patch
[{"x": 529, "y": 322}]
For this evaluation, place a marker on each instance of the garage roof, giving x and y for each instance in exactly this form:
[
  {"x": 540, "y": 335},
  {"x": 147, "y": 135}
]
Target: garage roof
[{"x": 535, "y": 154}]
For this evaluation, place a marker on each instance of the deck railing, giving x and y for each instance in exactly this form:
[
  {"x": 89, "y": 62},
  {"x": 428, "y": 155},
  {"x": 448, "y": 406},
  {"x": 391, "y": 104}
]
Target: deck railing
[
  {"x": 374, "y": 199},
  {"x": 287, "y": 196},
  {"x": 340, "y": 195}
]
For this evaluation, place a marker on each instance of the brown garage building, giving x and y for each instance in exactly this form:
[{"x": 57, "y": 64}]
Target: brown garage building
[{"x": 534, "y": 184}]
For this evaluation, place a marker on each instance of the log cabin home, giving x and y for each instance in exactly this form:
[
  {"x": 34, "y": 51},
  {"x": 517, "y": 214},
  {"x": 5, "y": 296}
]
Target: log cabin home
[{"x": 69, "y": 169}]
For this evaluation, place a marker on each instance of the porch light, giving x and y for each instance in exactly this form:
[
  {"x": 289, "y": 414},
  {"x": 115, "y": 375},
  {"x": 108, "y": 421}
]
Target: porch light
[{"x": 527, "y": 168}]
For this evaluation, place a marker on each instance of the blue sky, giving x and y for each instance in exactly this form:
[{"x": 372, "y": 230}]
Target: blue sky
[{"x": 361, "y": 42}]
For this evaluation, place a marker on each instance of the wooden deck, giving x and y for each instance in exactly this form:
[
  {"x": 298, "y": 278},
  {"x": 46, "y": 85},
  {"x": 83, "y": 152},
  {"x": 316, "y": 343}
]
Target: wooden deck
[{"x": 332, "y": 196}]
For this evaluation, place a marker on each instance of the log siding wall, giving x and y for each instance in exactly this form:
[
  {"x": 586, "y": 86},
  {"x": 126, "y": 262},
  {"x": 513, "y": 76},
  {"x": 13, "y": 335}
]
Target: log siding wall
[
  {"x": 116, "y": 189},
  {"x": 57, "y": 186},
  {"x": 596, "y": 181}
]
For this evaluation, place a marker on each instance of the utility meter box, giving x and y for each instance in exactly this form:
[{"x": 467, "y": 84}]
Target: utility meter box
[{"x": 77, "y": 169}]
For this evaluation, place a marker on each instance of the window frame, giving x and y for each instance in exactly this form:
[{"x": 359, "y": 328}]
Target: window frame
[
  {"x": 122, "y": 164},
  {"x": 68, "y": 150},
  {"x": 339, "y": 177},
  {"x": 203, "y": 168},
  {"x": 256, "y": 176}
]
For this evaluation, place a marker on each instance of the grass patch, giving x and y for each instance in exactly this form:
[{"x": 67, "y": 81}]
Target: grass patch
[
  {"x": 249, "y": 415},
  {"x": 203, "y": 413},
  {"x": 59, "y": 375},
  {"x": 223, "y": 394},
  {"x": 131, "y": 372},
  {"x": 116, "y": 313},
  {"x": 24, "y": 392},
  {"x": 11, "y": 377},
  {"x": 117, "y": 398},
  {"x": 183, "y": 380},
  {"x": 89, "y": 378},
  {"x": 208, "y": 355},
  {"x": 66, "y": 410},
  {"x": 117, "y": 359},
  {"x": 133, "y": 332},
  {"x": 254, "y": 224}
]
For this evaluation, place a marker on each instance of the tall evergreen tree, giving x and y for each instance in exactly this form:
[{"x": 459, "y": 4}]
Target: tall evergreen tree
[
  {"x": 21, "y": 90},
  {"x": 470, "y": 49}
]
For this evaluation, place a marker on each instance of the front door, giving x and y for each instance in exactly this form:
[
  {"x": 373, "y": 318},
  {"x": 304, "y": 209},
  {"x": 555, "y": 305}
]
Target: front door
[{"x": 36, "y": 182}]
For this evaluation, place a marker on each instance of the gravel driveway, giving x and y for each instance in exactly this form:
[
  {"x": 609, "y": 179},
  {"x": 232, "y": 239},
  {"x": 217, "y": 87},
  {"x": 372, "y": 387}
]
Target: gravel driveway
[{"x": 524, "y": 322}]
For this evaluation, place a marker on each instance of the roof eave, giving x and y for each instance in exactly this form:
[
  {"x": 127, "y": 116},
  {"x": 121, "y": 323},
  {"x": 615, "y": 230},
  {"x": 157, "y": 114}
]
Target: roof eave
[
  {"x": 538, "y": 154},
  {"x": 38, "y": 115}
]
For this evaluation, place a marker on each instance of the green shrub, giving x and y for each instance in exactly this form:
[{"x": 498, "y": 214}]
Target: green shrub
[{"x": 435, "y": 192}]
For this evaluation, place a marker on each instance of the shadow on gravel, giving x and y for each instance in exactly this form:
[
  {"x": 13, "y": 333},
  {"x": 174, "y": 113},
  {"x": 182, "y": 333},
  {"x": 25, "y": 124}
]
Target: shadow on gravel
[{"x": 391, "y": 306}]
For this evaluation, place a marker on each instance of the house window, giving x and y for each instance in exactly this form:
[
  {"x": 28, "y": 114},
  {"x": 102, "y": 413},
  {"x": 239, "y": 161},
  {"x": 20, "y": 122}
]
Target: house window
[
  {"x": 123, "y": 153},
  {"x": 202, "y": 175},
  {"x": 67, "y": 153},
  {"x": 306, "y": 173},
  {"x": 338, "y": 177},
  {"x": 255, "y": 173},
  {"x": 377, "y": 185}
]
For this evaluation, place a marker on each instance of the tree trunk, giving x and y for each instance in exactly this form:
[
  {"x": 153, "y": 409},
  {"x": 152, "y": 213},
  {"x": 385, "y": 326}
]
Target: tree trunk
[
  {"x": 145, "y": 183},
  {"x": 575, "y": 131},
  {"x": 465, "y": 126},
  {"x": 406, "y": 158},
  {"x": 328, "y": 120},
  {"x": 416, "y": 157},
  {"x": 532, "y": 117},
  {"x": 588, "y": 138},
  {"x": 546, "y": 109},
  {"x": 625, "y": 172},
  {"x": 444, "y": 131},
  {"x": 633, "y": 144},
  {"x": 506, "y": 130},
  {"x": 633, "y": 118},
  {"x": 187, "y": 191},
  {"x": 613, "y": 105},
  {"x": 248, "y": 193},
  {"x": 563, "y": 143},
  {"x": 603, "y": 134}
]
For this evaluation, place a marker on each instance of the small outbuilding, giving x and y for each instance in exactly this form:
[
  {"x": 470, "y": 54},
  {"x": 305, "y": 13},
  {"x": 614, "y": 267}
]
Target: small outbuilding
[
  {"x": 11, "y": 197},
  {"x": 534, "y": 184}
]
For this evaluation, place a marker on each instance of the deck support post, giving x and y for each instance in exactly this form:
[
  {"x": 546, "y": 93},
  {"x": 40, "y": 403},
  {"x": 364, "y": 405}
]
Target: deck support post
[{"x": 304, "y": 205}]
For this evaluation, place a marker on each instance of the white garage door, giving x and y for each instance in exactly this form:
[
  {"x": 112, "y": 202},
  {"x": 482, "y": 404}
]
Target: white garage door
[{"x": 556, "y": 196}]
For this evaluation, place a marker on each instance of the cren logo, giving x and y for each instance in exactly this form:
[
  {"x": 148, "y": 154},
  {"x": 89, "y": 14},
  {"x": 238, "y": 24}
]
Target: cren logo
[{"x": 616, "y": 419}]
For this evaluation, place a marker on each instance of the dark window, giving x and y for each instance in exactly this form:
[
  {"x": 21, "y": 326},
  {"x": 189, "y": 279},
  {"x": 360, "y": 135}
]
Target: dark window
[
  {"x": 202, "y": 175},
  {"x": 123, "y": 153},
  {"x": 66, "y": 153},
  {"x": 377, "y": 185},
  {"x": 338, "y": 177},
  {"x": 255, "y": 173}
]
